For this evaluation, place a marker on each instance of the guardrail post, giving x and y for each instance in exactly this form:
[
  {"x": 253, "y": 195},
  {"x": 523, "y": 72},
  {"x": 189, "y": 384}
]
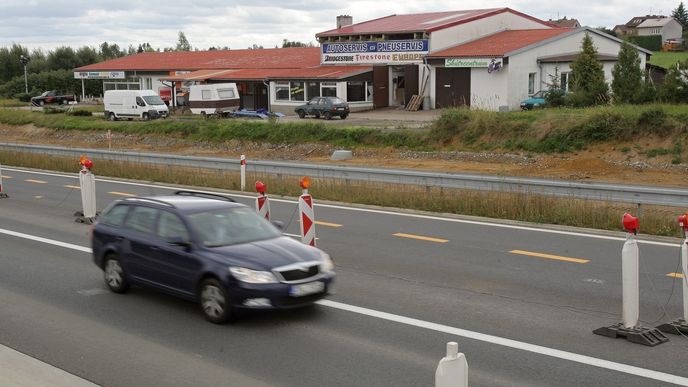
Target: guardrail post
[{"x": 452, "y": 370}]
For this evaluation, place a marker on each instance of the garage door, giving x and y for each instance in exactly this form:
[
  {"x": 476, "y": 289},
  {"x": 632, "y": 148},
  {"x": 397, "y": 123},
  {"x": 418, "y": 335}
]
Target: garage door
[{"x": 453, "y": 87}]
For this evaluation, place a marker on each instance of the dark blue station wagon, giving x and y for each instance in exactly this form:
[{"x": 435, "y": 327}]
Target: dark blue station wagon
[{"x": 207, "y": 248}]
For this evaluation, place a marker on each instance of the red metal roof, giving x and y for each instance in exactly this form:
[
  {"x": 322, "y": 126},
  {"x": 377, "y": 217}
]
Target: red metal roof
[
  {"x": 276, "y": 58},
  {"x": 318, "y": 72},
  {"x": 426, "y": 22},
  {"x": 500, "y": 43}
]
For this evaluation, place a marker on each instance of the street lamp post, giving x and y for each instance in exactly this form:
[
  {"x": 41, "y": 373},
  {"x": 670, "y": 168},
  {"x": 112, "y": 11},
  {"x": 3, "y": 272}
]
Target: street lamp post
[{"x": 24, "y": 61}]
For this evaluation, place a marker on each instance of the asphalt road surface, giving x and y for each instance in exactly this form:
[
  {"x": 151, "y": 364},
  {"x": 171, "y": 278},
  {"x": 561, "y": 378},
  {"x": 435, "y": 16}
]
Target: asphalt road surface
[{"x": 521, "y": 301}]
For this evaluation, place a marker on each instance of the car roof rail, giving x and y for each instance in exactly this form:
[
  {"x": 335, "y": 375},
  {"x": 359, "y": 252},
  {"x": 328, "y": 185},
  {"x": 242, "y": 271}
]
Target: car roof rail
[
  {"x": 206, "y": 195},
  {"x": 156, "y": 201}
]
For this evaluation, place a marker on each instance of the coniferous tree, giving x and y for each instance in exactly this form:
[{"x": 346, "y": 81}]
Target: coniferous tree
[
  {"x": 627, "y": 75},
  {"x": 183, "y": 43},
  {"x": 587, "y": 77},
  {"x": 681, "y": 15}
]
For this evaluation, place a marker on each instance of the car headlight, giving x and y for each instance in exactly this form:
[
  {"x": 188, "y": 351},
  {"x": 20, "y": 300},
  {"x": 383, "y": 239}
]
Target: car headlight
[
  {"x": 327, "y": 265},
  {"x": 252, "y": 276},
  {"x": 536, "y": 104}
]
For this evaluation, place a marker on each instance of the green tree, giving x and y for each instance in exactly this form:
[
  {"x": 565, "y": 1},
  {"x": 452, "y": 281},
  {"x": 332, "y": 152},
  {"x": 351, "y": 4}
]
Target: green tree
[
  {"x": 675, "y": 86},
  {"x": 681, "y": 15},
  {"x": 648, "y": 91},
  {"x": 110, "y": 51},
  {"x": 62, "y": 58},
  {"x": 555, "y": 96},
  {"x": 587, "y": 83},
  {"x": 86, "y": 56},
  {"x": 182, "y": 43},
  {"x": 10, "y": 66},
  {"x": 606, "y": 30},
  {"x": 627, "y": 75},
  {"x": 287, "y": 43}
]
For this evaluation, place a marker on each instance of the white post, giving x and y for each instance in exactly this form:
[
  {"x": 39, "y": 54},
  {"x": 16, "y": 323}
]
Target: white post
[
  {"x": 684, "y": 271},
  {"x": 2, "y": 191},
  {"x": 629, "y": 273},
  {"x": 109, "y": 138},
  {"x": 243, "y": 172},
  {"x": 83, "y": 91},
  {"x": 452, "y": 371},
  {"x": 87, "y": 183}
]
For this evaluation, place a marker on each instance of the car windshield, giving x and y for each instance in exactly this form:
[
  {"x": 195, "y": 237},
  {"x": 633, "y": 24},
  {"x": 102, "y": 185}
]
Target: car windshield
[
  {"x": 153, "y": 100},
  {"x": 334, "y": 100},
  {"x": 539, "y": 94},
  {"x": 231, "y": 226},
  {"x": 45, "y": 93}
]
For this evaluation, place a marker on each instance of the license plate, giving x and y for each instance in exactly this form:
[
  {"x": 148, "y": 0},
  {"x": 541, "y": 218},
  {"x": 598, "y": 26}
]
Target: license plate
[
  {"x": 340, "y": 108},
  {"x": 306, "y": 289}
]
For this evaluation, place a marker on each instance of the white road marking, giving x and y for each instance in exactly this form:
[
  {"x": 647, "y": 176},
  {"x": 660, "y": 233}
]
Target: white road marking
[
  {"x": 556, "y": 353},
  {"x": 382, "y": 212},
  {"x": 564, "y": 355},
  {"x": 92, "y": 292}
]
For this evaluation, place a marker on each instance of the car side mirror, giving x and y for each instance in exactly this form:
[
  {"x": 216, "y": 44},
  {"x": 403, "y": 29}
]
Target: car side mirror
[
  {"x": 179, "y": 241},
  {"x": 279, "y": 224}
]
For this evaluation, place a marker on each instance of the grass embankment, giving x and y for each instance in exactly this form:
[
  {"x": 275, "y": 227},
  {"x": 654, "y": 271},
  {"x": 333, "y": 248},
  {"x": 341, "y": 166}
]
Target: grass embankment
[
  {"x": 668, "y": 59},
  {"x": 6, "y": 102},
  {"x": 516, "y": 206}
]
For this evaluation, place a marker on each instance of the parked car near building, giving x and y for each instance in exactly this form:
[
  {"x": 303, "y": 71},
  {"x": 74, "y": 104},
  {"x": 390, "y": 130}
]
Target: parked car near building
[
  {"x": 537, "y": 100},
  {"x": 325, "y": 107},
  {"x": 130, "y": 104},
  {"x": 209, "y": 249}
]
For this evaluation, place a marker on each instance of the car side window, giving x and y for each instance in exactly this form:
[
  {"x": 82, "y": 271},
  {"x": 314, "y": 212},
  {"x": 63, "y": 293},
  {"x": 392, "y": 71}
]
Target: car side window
[
  {"x": 115, "y": 216},
  {"x": 323, "y": 101},
  {"x": 314, "y": 101},
  {"x": 171, "y": 226},
  {"x": 142, "y": 219}
]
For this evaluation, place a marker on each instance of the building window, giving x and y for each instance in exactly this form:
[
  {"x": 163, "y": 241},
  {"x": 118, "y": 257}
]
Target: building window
[
  {"x": 312, "y": 89},
  {"x": 565, "y": 81},
  {"x": 328, "y": 89},
  {"x": 296, "y": 91},
  {"x": 356, "y": 91},
  {"x": 531, "y": 83},
  {"x": 282, "y": 91}
]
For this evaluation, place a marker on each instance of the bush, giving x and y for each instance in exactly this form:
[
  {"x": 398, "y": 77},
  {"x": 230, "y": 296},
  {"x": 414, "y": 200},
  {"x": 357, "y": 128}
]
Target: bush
[
  {"x": 652, "y": 43},
  {"x": 52, "y": 110},
  {"x": 23, "y": 97},
  {"x": 80, "y": 113}
]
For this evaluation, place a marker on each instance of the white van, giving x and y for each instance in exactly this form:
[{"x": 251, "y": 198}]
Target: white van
[
  {"x": 143, "y": 104},
  {"x": 214, "y": 98}
]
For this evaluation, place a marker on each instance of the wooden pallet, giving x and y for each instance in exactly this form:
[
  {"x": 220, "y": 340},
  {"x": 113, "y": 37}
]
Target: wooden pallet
[{"x": 414, "y": 103}]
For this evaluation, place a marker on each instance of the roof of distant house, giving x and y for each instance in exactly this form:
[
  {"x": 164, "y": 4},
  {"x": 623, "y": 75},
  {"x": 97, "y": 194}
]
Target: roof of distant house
[
  {"x": 636, "y": 20},
  {"x": 422, "y": 22},
  {"x": 654, "y": 23},
  {"x": 566, "y": 23},
  {"x": 501, "y": 43}
]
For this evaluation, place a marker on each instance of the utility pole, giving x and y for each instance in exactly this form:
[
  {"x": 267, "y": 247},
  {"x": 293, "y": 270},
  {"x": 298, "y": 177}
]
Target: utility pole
[{"x": 24, "y": 61}]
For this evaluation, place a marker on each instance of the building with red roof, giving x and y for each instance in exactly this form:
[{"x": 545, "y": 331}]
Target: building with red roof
[{"x": 483, "y": 58}]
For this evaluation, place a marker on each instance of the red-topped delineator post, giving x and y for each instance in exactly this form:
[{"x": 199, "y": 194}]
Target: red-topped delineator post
[
  {"x": 680, "y": 326},
  {"x": 2, "y": 188},
  {"x": 87, "y": 184},
  {"x": 629, "y": 327},
  {"x": 307, "y": 215},
  {"x": 243, "y": 173},
  {"x": 262, "y": 201}
]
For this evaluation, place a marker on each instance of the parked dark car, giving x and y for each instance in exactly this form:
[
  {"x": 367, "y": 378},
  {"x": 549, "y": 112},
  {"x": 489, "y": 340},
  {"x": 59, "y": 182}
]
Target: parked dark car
[
  {"x": 52, "y": 97},
  {"x": 326, "y": 107},
  {"x": 209, "y": 249}
]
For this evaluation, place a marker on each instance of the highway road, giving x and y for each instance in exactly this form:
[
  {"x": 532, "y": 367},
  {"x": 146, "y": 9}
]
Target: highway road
[{"x": 520, "y": 300}]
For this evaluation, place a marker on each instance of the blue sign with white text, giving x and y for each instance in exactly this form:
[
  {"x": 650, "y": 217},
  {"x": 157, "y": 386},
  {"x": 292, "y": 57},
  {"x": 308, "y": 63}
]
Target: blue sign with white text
[{"x": 420, "y": 45}]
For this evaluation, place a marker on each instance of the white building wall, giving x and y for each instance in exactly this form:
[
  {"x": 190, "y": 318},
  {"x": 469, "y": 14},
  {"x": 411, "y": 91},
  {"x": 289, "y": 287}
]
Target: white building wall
[
  {"x": 470, "y": 31},
  {"x": 489, "y": 90},
  {"x": 520, "y": 65},
  {"x": 673, "y": 30}
]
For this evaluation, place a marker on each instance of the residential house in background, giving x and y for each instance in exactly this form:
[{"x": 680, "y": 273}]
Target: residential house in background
[
  {"x": 667, "y": 27},
  {"x": 566, "y": 23}
]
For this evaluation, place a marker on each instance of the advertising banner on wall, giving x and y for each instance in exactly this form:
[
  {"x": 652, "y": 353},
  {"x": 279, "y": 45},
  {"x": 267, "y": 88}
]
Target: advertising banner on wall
[
  {"x": 468, "y": 62},
  {"x": 386, "y": 52},
  {"x": 99, "y": 75}
]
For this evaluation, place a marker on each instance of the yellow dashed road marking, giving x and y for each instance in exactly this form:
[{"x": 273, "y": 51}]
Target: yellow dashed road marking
[
  {"x": 420, "y": 237},
  {"x": 550, "y": 256},
  {"x": 675, "y": 275},
  {"x": 326, "y": 224},
  {"x": 72, "y": 186},
  {"x": 36, "y": 181},
  {"x": 6, "y": 177},
  {"x": 120, "y": 193}
]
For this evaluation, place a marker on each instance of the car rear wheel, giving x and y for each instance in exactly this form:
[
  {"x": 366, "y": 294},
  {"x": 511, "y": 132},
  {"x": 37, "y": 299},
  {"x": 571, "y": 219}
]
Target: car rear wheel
[
  {"x": 327, "y": 115},
  {"x": 344, "y": 116},
  {"x": 214, "y": 303},
  {"x": 301, "y": 113},
  {"x": 112, "y": 116},
  {"x": 114, "y": 275},
  {"x": 145, "y": 116}
]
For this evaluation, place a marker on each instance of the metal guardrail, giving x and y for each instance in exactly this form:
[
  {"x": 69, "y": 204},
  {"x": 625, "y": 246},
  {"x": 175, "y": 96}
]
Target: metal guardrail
[{"x": 637, "y": 194}]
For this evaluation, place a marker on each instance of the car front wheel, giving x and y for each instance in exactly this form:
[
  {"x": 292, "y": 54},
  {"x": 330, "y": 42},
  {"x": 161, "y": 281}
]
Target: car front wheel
[
  {"x": 327, "y": 115},
  {"x": 343, "y": 116},
  {"x": 114, "y": 275},
  {"x": 214, "y": 303},
  {"x": 301, "y": 113},
  {"x": 145, "y": 116},
  {"x": 112, "y": 117}
]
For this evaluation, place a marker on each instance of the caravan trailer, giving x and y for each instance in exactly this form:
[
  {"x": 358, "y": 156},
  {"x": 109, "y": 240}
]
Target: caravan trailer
[{"x": 214, "y": 98}]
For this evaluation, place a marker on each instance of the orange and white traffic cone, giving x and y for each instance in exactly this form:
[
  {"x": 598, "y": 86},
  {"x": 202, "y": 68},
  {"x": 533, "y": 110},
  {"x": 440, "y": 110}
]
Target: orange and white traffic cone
[
  {"x": 307, "y": 214},
  {"x": 262, "y": 201}
]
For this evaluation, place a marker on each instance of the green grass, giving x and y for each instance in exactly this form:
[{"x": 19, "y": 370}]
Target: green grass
[
  {"x": 667, "y": 59},
  {"x": 6, "y": 102}
]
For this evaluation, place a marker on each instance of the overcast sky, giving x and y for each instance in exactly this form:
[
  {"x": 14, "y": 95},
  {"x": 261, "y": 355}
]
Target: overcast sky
[{"x": 238, "y": 24}]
